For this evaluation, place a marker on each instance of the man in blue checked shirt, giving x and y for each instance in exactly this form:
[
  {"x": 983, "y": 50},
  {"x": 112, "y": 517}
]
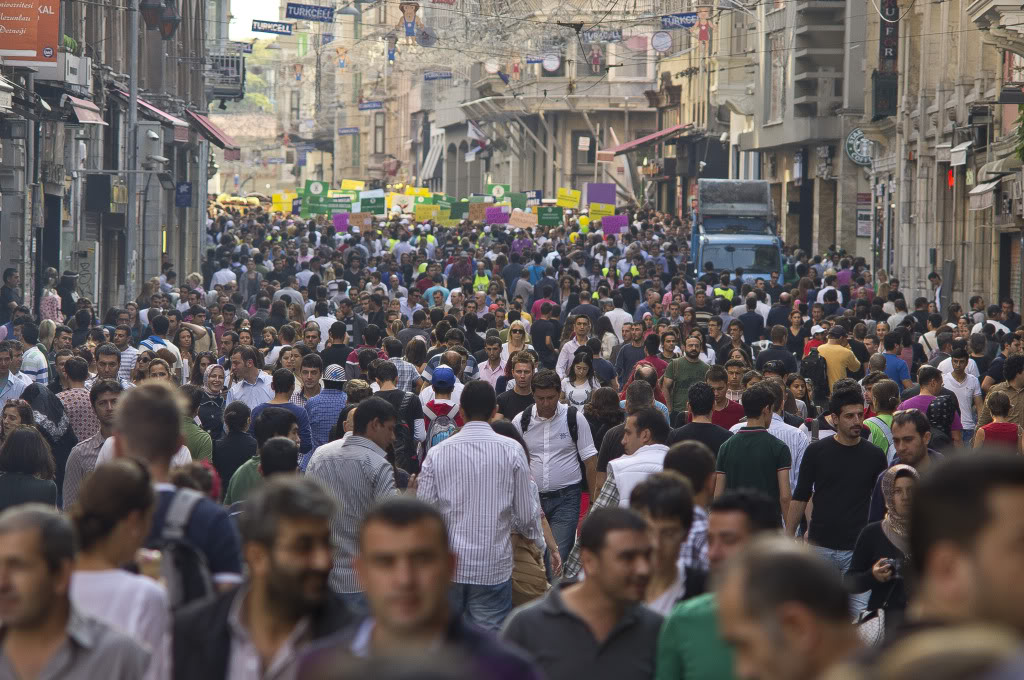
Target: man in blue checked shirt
[{"x": 324, "y": 408}]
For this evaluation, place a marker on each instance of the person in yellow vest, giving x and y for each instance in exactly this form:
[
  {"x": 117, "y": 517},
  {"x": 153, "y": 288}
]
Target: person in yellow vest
[
  {"x": 481, "y": 280},
  {"x": 723, "y": 289}
]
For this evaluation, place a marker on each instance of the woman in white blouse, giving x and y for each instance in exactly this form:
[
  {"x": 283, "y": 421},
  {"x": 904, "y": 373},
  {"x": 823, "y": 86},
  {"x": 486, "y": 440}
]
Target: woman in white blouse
[
  {"x": 579, "y": 382},
  {"x": 516, "y": 340}
]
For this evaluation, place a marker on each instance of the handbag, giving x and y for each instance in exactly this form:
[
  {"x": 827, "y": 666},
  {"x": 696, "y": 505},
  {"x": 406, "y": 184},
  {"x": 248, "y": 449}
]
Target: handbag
[
  {"x": 870, "y": 623},
  {"x": 529, "y": 579}
]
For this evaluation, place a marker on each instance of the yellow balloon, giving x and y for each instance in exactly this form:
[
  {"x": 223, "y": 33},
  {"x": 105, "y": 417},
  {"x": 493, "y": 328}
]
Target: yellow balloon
[
  {"x": 573, "y": 236},
  {"x": 584, "y": 221}
]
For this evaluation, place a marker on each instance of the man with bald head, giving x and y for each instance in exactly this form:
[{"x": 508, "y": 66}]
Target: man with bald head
[{"x": 778, "y": 315}]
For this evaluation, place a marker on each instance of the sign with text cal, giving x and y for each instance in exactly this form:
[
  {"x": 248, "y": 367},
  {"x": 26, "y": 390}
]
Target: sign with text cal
[
  {"x": 683, "y": 20},
  {"x": 309, "y": 13},
  {"x": 278, "y": 27}
]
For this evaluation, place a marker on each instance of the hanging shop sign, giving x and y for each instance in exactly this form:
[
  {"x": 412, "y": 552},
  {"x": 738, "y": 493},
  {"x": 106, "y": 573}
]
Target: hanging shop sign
[
  {"x": 30, "y": 31},
  {"x": 276, "y": 27},
  {"x": 551, "y": 62},
  {"x": 681, "y": 20},
  {"x": 602, "y": 35},
  {"x": 309, "y": 13},
  {"x": 858, "y": 147},
  {"x": 661, "y": 41},
  {"x": 437, "y": 75},
  {"x": 370, "y": 106},
  {"x": 343, "y": 131}
]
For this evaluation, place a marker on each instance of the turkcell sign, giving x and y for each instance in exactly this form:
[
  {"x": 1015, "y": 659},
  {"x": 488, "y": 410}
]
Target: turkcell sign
[
  {"x": 348, "y": 131},
  {"x": 370, "y": 106},
  {"x": 278, "y": 27},
  {"x": 437, "y": 75},
  {"x": 309, "y": 12},
  {"x": 683, "y": 20}
]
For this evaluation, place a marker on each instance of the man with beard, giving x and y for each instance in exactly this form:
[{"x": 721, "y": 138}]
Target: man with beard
[
  {"x": 599, "y": 628},
  {"x": 682, "y": 373},
  {"x": 260, "y": 628},
  {"x": 839, "y": 472}
]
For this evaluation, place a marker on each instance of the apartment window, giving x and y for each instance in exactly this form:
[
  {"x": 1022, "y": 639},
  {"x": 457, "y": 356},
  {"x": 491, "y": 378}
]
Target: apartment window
[
  {"x": 293, "y": 106},
  {"x": 584, "y": 149},
  {"x": 356, "y": 151},
  {"x": 777, "y": 77},
  {"x": 378, "y": 132},
  {"x": 357, "y": 86},
  {"x": 592, "y": 60},
  {"x": 634, "y": 56},
  {"x": 382, "y": 14},
  {"x": 289, "y": 156}
]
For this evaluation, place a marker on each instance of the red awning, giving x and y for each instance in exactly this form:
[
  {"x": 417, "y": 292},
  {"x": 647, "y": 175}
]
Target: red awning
[
  {"x": 216, "y": 136},
  {"x": 608, "y": 155},
  {"x": 86, "y": 112},
  {"x": 180, "y": 126}
]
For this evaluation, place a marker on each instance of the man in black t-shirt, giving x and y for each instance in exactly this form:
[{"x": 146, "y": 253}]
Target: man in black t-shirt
[
  {"x": 336, "y": 351},
  {"x": 516, "y": 400},
  {"x": 701, "y": 428},
  {"x": 544, "y": 334},
  {"x": 411, "y": 416},
  {"x": 777, "y": 351}
]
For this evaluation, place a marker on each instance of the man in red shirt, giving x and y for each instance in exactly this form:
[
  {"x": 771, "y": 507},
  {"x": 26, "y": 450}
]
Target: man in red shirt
[{"x": 725, "y": 413}]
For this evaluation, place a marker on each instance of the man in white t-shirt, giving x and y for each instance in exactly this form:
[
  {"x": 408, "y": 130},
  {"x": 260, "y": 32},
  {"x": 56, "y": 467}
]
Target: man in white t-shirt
[{"x": 967, "y": 390}]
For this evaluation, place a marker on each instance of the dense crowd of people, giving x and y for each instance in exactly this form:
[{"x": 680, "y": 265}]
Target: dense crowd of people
[{"x": 480, "y": 451}]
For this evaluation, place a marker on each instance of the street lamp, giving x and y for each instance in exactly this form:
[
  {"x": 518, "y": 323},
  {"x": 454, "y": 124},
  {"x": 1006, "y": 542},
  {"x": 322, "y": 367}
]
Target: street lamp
[
  {"x": 169, "y": 20},
  {"x": 150, "y": 10}
]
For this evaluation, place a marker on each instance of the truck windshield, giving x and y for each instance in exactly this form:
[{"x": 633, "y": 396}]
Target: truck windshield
[{"x": 752, "y": 258}]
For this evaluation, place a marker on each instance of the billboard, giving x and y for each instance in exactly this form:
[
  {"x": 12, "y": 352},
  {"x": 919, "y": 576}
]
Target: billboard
[{"x": 29, "y": 32}]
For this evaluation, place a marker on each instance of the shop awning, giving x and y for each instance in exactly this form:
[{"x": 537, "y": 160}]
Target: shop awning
[
  {"x": 608, "y": 155},
  {"x": 86, "y": 112},
  {"x": 430, "y": 162},
  {"x": 982, "y": 196},
  {"x": 1003, "y": 166},
  {"x": 958, "y": 154},
  {"x": 6, "y": 94},
  {"x": 180, "y": 126},
  {"x": 216, "y": 136}
]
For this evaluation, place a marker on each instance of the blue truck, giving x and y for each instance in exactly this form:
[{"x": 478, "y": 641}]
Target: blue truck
[{"x": 734, "y": 227}]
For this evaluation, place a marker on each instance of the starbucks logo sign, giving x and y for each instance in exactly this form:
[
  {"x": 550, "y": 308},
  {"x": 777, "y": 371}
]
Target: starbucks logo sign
[{"x": 858, "y": 147}]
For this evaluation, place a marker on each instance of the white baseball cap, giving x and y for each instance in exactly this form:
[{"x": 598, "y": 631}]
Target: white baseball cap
[{"x": 817, "y": 329}]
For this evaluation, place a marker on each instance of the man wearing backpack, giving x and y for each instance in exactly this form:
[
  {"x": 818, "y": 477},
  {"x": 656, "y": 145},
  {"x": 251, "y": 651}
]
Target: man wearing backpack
[
  {"x": 814, "y": 370},
  {"x": 441, "y": 413},
  {"x": 409, "y": 429},
  {"x": 261, "y": 628},
  {"x": 199, "y": 542},
  {"x": 885, "y": 397},
  {"x": 561, "y": 451}
]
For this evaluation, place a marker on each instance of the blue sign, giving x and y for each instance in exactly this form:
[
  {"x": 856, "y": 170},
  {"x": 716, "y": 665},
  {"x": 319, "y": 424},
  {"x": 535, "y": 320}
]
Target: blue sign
[
  {"x": 300, "y": 158},
  {"x": 296, "y": 205},
  {"x": 683, "y": 20},
  {"x": 348, "y": 131},
  {"x": 278, "y": 27},
  {"x": 534, "y": 197},
  {"x": 370, "y": 106},
  {"x": 437, "y": 75},
  {"x": 534, "y": 60},
  {"x": 602, "y": 35},
  {"x": 326, "y": 38},
  {"x": 309, "y": 12},
  {"x": 183, "y": 195},
  {"x": 274, "y": 160}
]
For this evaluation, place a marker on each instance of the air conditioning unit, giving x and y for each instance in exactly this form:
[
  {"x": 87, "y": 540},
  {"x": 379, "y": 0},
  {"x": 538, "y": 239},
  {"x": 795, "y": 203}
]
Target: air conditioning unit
[{"x": 77, "y": 72}]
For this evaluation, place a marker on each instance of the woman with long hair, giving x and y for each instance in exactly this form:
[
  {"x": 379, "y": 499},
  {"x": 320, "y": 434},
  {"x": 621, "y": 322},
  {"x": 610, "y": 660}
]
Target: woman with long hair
[
  {"x": 142, "y": 361},
  {"x": 112, "y": 517},
  {"x": 797, "y": 334},
  {"x": 185, "y": 341},
  {"x": 278, "y": 314},
  {"x": 606, "y": 334},
  {"x": 159, "y": 369},
  {"x": 802, "y": 287},
  {"x": 202, "y": 361},
  {"x": 27, "y": 468},
  {"x": 16, "y": 412},
  {"x": 47, "y": 332},
  {"x": 579, "y": 382},
  {"x": 880, "y": 556},
  {"x": 517, "y": 340},
  {"x": 603, "y": 412},
  {"x": 211, "y": 406},
  {"x": 797, "y": 387},
  {"x": 245, "y": 336},
  {"x": 688, "y": 323},
  {"x": 416, "y": 352}
]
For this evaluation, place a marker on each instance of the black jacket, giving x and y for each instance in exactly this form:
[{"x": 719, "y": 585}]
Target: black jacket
[{"x": 202, "y": 641}]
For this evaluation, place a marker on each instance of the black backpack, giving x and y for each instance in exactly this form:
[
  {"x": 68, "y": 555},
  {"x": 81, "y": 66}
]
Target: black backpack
[
  {"x": 814, "y": 371},
  {"x": 404, "y": 448},
  {"x": 183, "y": 566}
]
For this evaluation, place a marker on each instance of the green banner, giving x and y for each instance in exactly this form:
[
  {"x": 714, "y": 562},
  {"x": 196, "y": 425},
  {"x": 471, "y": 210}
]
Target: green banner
[
  {"x": 549, "y": 216},
  {"x": 499, "y": 191},
  {"x": 324, "y": 205},
  {"x": 374, "y": 206},
  {"x": 518, "y": 201},
  {"x": 460, "y": 210},
  {"x": 424, "y": 200}
]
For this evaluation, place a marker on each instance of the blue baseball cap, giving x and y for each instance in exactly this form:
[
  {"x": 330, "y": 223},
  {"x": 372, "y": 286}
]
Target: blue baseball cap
[{"x": 443, "y": 377}]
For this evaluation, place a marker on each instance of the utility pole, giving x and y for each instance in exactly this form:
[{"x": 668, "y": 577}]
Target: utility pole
[{"x": 132, "y": 138}]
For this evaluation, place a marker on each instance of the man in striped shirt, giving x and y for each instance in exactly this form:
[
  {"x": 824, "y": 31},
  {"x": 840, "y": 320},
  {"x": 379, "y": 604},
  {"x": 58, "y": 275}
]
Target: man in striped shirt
[
  {"x": 34, "y": 363},
  {"x": 480, "y": 482}
]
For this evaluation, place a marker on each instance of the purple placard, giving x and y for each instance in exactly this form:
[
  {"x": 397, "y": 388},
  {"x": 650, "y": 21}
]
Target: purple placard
[
  {"x": 496, "y": 215},
  {"x": 613, "y": 224},
  {"x": 340, "y": 221},
  {"x": 598, "y": 192}
]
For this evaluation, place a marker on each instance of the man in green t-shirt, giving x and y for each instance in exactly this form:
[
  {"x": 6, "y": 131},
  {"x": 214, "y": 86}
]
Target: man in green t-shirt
[
  {"x": 682, "y": 373},
  {"x": 753, "y": 458},
  {"x": 689, "y": 645}
]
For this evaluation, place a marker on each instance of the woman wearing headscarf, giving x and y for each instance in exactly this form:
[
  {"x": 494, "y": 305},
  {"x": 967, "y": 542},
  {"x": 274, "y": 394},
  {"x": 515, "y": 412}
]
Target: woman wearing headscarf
[
  {"x": 880, "y": 556},
  {"x": 211, "y": 408},
  {"x": 53, "y": 423}
]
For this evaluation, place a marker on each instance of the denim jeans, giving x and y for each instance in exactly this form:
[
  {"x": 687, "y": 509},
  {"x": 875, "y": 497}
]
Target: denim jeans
[
  {"x": 356, "y": 603},
  {"x": 484, "y": 606},
  {"x": 841, "y": 559},
  {"x": 968, "y": 437},
  {"x": 562, "y": 508}
]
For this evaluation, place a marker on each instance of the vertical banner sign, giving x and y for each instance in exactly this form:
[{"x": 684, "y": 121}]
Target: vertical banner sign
[
  {"x": 886, "y": 78},
  {"x": 29, "y": 32}
]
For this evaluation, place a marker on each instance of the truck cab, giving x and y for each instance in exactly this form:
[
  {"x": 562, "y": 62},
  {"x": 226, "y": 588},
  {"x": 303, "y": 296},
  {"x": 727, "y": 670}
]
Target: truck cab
[{"x": 734, "y": 227}]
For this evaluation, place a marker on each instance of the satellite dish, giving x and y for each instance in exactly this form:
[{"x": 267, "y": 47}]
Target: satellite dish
[{"x": 426, "y": 37}]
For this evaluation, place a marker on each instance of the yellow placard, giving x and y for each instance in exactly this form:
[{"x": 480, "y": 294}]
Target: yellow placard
[
  {"x": 352, "y": 184},
  {"x": 401, "y": 202},
  {"x": 418, "y": 191},
  {"x": 599, "y": 210},
  {"x": 426, "y": 212},
  {"x": 568, "y": 198}
]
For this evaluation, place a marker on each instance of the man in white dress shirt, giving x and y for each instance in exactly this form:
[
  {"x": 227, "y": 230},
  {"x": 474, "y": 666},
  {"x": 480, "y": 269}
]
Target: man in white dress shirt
[
  {"x": 480, "y": 482},
  {"x": 250, "y": 385},
  {"x": 581, "y": 330}
]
